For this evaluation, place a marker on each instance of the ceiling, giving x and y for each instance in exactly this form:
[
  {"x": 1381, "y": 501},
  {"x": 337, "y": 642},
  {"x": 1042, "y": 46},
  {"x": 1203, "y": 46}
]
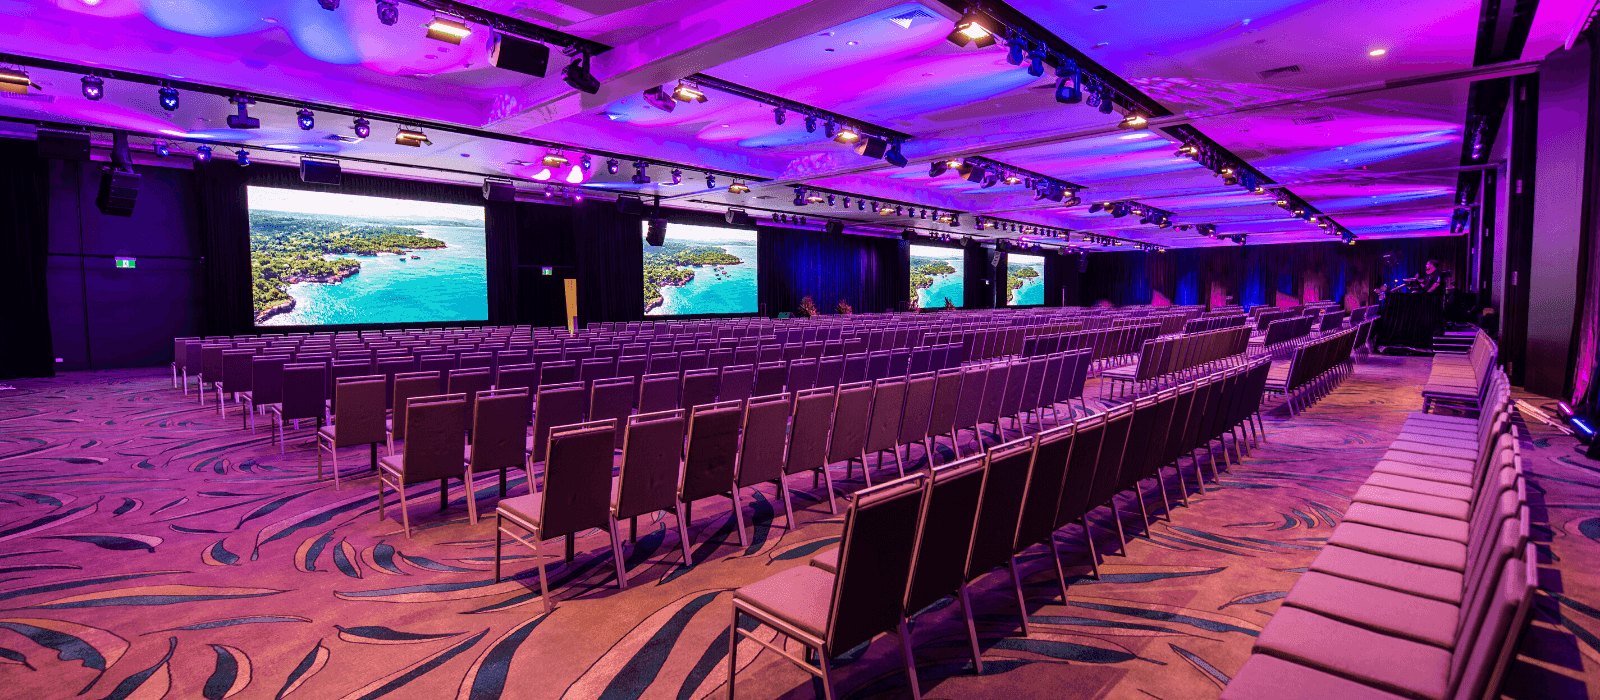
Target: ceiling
[{"x": 1335, "y": 131}]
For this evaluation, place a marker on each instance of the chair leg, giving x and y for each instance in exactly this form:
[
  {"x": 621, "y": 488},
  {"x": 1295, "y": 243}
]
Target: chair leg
[
  {"x": 899, "y": 465},
  {"x": 1116, "y": 516},
  {"x": 733, "y": 651},
  {"x": 683, "y": 533},
  {"x": 544, "y": 584},
  {"x": 405, "y": 513},
  {"x": 1061, "y": 574},
  {"x": 910, "y": 659},
  {"x": 333, "y": 449},
  {"x": 319, "y": 458},
  {"x": 616, "y": 554},
  {"x": 1022, "y": 602},
  {"x": 380, "y": 498},
  {"x": 1094, "y": 558},
  {"x": 788, "y": 501},
  {"x": 472, "y": 503},
  {"x": 497, "y": 538},
  {"x": 738, "y": 516},
  {"x": 972, "y": 628},
  {"x": 827, "y": 478},
  {"x": 826, "y": 663}
]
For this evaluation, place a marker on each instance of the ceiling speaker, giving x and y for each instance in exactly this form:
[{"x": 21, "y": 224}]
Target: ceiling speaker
[
  {"x": 1083, "y": 263},
  {"x": 872, "y": 147},
  {"x": 834, "y": 226},
  {"x": 630, "y": 204},
  {"x": 513, "y": 54},
  {"x": 63, "y": 145},
  {"x": 737, "y": 217},
  {"x": 118, "y": 190},
  {"x": 499, "y": 191},
  {"x": 321, "y": 172},
  {"x": 657, "y": 233}
]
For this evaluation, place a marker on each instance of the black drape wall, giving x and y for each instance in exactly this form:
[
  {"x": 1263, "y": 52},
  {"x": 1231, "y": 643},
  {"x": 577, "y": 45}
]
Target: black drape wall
[
  {"x": 25, "y": 347},
  {"x": 868, "y": 272},
  {"x": 979, "y": 276},
  {"x": 1274, "y": 275},
  {"x": 609, "y": 252}
]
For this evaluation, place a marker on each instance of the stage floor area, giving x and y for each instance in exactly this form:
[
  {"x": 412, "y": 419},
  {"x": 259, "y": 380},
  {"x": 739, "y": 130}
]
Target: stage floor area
[{"x": 151, "y": 548}]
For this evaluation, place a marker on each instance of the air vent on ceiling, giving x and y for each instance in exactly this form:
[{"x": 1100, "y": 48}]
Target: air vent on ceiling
[
  {"x": 1275, "y": 72},
  {"x": 765, "y": 196},
  {"x": 906, "y": 20},
  {"x": 343, "y": 139},
  {"x": 1314, "y": 119}
]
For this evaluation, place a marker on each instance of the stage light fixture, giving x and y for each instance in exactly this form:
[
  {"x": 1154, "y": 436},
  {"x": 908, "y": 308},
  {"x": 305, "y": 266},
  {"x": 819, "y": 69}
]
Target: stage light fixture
[
  {"x": 411, "y": 137},
  {"x": 1121, "y": 209},
  {"x": 1015, "y": 51},
  {"x": 160, "y": 149},
  {"x": 846, "y": 135},
  {"x": 778, "y": 116},
  {"x": 893, "y": 156},
  {"x": 738, "y": 188},
  {"x": 1036, "y": 60},
  {"x": 658, "y": 98},
  {"x": 811, "y": 124},
  {"x": 305, "y": 119},
  {"x": 924, "y": 213},
  {"x": 815, "y": 198},
  {"x": 388, "y": 12},
  {"x": 242, "y": 120},
  {"x": 861, "y": 205},
  {"x": 688, "y": 93},
  {"x": 578, "y": 77},
  {"x": 362, "y": 128},
  {"x": 1069, "y": 84},
  {"x": 450, "y": 31},
  {"x": 612, "y": 166},
  {"x": 554, "y": 160},
  {"x": 1230, "y": 180},
  {"x": 1134, "y": 120},
  {"x": 329, "y": 5},
  {"x": 1097, "y": 207},
  {"x": 1258, "y": 190},
  {"x": 827, "y": 129},
  {"x": 989, "y": 181},
  {"x": 971, "y": 29},
  {"x": 711, "y": 181},
  {"x": 168, "y": 96},
  {"x": 16, "y": 80},
  {"x": 830, "y": 200},
  {"x": 203, "y": 154},
  {"x": 93, "y": 87},
  {"x": 640, "y": 175},
  {"x": 244, "y": 158},
  {"x": 799, "y": 197},
  {"x": 847, "y": 202},
  {"x": 1011, "y": 179}
]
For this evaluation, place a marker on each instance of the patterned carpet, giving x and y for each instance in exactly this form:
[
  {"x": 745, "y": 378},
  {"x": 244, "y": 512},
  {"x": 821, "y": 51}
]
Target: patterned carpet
[{"x": 150, "y": 549}]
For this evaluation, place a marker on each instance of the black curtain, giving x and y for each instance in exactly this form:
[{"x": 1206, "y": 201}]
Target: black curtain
[
  {"x": 978, "y": 277},
  {"x": 544, "y": 240},
  {"x": 503, "y": 275},
  {"x": 225, "y": 246},
  {"x": 1060, "y": 274},
  {"x": 25, "y": 348},
  {"x": 1274, "y": 275},
  {"x": 868, "y": 272},
  {"x": 609, "y": 250}
]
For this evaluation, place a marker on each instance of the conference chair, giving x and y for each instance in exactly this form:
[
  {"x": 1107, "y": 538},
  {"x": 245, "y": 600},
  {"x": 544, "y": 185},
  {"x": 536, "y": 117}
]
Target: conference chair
[
  {"x": 554, "y": 406},
  {"x": 737, "y": 383},
  {"x": 711, "y": 461},
  {"x": 612, "y": 399},
  {"x": 969, "y": 406},
  {"x": 762, "y": 446},
  {"x": 700, "y": 386},
  {"x": 575, "y": 498},
  {"x": 235, "y": 376},
  {"x": 847, "y": 440},
  {"x": 915, "y": 414},
  {"x": 995, "y": 386},
  {"x": 883, "y": 423},
  {"x": 652, "y": 457},
  {"x": 1103, "y": 491},
  {"x": 769, "y": 378},
  {"x": 304, "y": 389},
  {"x": 864, "y": 599},
  {"x": 499, "y": 439},
  {"x": 468, "y": 382},
  {"x": 211, "y": 369},
  {"x": 660, "y": 392},
  {"x": 266, "y": 385},
  {"x": 406, "y": 386},
  {"x": 809, "y": 442},
  {"x": 358, "y": 421}
]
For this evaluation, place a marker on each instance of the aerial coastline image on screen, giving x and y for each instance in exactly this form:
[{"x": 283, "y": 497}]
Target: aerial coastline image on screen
[
  {"x": 1024, "y": 280},
  {"x": 700, "y": 270},
  {"x": 320, "y": 258},
  {"x": 937, "y": 277}
]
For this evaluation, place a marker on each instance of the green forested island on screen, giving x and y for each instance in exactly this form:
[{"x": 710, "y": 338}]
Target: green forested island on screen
[
  {"x": 286, "y": 249},
  {"x": 666, "y": 266},
  {"x": 923, "y": 272}
]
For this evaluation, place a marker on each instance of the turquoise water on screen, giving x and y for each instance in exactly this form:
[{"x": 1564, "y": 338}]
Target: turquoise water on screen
[
  {"x": 733, "y": 292},
  {"x": 448, "y": 284},
  {"x": 1030, "y": 293},
  {"x": 932, "y": 297}
]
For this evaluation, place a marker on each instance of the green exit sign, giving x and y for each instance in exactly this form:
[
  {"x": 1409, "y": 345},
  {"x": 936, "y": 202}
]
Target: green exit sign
[
  {"x": 126, "y": 262},
  {"x": 547, "y": 271}
]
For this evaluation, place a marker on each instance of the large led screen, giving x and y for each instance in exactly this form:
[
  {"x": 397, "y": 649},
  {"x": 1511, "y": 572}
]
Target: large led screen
[
  {"x": 937, "y": 277},
  {"x": 319, "y": 258},
  {"x": 700, "y": 270},
  {"x": 1024, "y": 280}
]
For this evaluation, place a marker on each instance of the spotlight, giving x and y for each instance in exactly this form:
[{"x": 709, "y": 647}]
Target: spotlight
[
  {"x": 1097, "y": 207},
  {"x": 1121, "y": 209},
  {"x": 306, "y": 119},
  {"x": 830, "y": 200},
  {"x": 640, "y": 176},
  {"x": 17, "y": 81},
  {"x": 815, "y": 198},
  {"x": 160, "y": 149},
  {"x": 578, "y": 77},
  {"x": 1282, "y": 202},
  {"x": 799, "y": 197},
  {"x": 924, "y": 213},
  {"x": 612, "y": 166},
  {"x": 658, "y": 98},
  {"x": 989, "y": 181},
  {"x": 1187, "y": 151},
  {"x": 738, "y": 188},
  {"x": 1014, "y": 51},
  {"x": 203, "y": 154},
  {"x": 388, "y": 12},
  {"x": 894, "y": 157},
  {"x": 362, "y": 128},
  {"x": 861, "y": 205},
  {"x": 242, "y": 120},
  {"x": 1069, "y": 84},
  {"x": 711, "y": 181},
  {"x": 411, "y": 137},
  {"x": 450, "y": 31},
  {"x": 1230, "y": 180},
  {"x": 827, "y": 129},
  {"x": 970, "y": 29},
  {"x": 1107, "y": 104},
  {"x": 846, "y": 134},
  {"x": 1259, "y": 190},
  {"x": 811, "y": 124},
  {"x": 554, "y": 160},
  {"x": 688, "y": 93},
  {"x": 93, "y": 87},
  {"x": 329, "y": 5},
  {"x": 1011, "y": 179},
  {"x": 1036, "y": 60},
  {"x": 169, "y": 98},
  {"x": 1133, "y": 121},
  {"x": 937, "y": 168},
  {"x": 244, "y": 159},
  {"x": 778, "y": 115},
  {"x": 847, "y": 202},
  {"x": 971, "y": 173}
]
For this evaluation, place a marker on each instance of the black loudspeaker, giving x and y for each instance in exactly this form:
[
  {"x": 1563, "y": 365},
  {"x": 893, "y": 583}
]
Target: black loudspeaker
[
  {"x": 872, "y": 147},
  {"x": 321, "y": 172},
  {"x": 908, "y": 235},
  {"x": 63, "y": 146},
  {"x": 118, "y": 190},
  {"x": 737, "y": 217},
  {"x": 657, "y": 234},
  {"x": 511, "y": 53},
  {"x": 499, "y": 191},
  {"x": 996, "y": 258},
  {"x": 630, "y": 204},
  {"x": 834, "y": 226},
  {"x": 1083, "y": 263}
]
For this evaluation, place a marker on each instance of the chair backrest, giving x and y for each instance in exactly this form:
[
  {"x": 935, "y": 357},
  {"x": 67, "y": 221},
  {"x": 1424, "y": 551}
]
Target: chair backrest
[
  {"x": 855, "y": 368},
  {"x": 554, "y": 406},
  {"x": 950, "y": 512},
  {"x": 659, "y": 392},
  {"x": 712, "y": 458},
  {"x": 406, "y": 386},
  {"x": 737, "y": 383},
  {"x": 946, "y": 395},
  {"x": 1082, "y": 461},
  {"x": 917, "y": 406},
  {"x": 813, "y": 419},
  {"x": 612, "y": 398},
  {"x": 802, "y": 375},
  {"x": 499, "y": 429},
  {"x": 1042, "y": 498},
  {"x": 1004, "y": 487},
  {"x": 577, "y": 478},
  {"x": 874, "y": 561},
  {"x": 888, "y": 400},
  {"x": 436, "y": 438},
  {"x": 700, "y": 386},
  {"x": 304, "y": 390},
  {"x": 266, "y": 380},
  {"x": 769, "y": 378},
  {"x": 764, "y": 440},
  {"x": 969, "y": 404},
  {"x": 995, "y": 387},
  {"x": 652, "y": 456},
  {"x": 361, "y": 410},
  {"x": 468, "y": 382},
  {"x": 559, "y": 372},
  {"x": 848, "y": 438},
  {"x": 1108, "y": 463},
  {"x": 211, "y": 361},
  {"x": 236, "y": 370}
]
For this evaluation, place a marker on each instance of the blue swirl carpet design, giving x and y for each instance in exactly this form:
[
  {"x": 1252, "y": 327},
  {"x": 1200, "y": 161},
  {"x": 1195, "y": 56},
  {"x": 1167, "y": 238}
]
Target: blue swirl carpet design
[{"x": 151, "y": 549}]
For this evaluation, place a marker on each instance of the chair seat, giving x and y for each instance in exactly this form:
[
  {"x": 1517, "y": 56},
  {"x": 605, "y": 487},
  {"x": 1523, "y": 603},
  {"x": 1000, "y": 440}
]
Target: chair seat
[
  {"x": 327, "y": 431},
  {"x": 526, "y": 508},
  {"x": 1467, "y": 453},
  {"x": 799, "y": 596},
  {"x": 1416, "y": 502},
  {"x": 1446, "y": 476},
  {"x": 1407, "y": 521},
  {"x": 1436, "y": 418},
  {"x": 1270, "y": 678},
  {"x": 1426, "y": 581},
  {"x": 1121, "y": 373},
  {"x": 393, "y": 464},
  {"x": 1369, "y": 657},
  {"x": 1426, "y": 432},
  {"x": 1379, "y": 609},
  {"x": 1435, "y": 461},
  {"x": 827, "y": 561},
  {"x": 1468, "y": 443},
  {"x": 1422, "y": 486},
  {"x": 1418, "y": 549}
]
